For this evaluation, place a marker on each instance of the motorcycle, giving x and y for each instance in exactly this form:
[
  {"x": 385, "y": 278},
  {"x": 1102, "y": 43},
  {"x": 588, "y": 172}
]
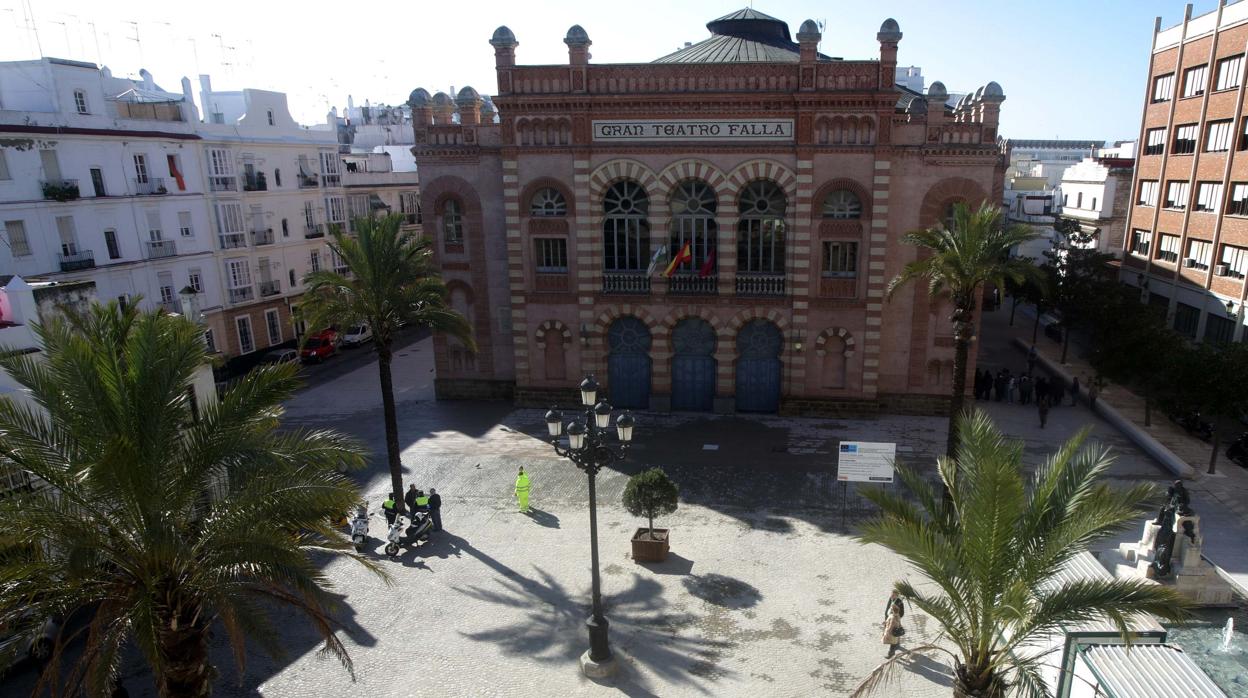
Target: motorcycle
[
  {"x": 1193, "y": 423},
  {"x": 1238, "y": 450},
  {"x": 418, "y": 528},
  {"x": 359, "y": 527}
]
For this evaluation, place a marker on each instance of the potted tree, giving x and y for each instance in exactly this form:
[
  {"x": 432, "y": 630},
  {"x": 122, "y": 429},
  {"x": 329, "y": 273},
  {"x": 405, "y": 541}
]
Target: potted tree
[{"x": 649, "y": 494}]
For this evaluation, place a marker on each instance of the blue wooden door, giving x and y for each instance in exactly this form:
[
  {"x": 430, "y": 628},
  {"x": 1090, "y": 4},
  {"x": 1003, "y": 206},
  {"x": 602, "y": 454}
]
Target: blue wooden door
[
  {"x": 693, "y": 365},
  {"x": 758, "y": 367},
  {"x": 628, "y": 364}
]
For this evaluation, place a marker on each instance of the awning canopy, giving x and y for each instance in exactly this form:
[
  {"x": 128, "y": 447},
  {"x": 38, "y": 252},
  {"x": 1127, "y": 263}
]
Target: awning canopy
[{"x": 375, "y": 202}]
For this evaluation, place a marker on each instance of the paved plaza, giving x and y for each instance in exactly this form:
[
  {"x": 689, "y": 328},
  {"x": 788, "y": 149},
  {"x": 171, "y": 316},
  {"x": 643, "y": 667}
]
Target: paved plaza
[{"x": 765, "y": 591}]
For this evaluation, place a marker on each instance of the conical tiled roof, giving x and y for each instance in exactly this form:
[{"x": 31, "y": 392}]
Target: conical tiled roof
[{"x": 745, "y": 36}]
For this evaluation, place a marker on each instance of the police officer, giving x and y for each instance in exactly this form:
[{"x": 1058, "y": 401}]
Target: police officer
[
  {"x": 422, "y": 501},
  {"x": 388, "y": 507},
  {"x": 435, "y": 508},
  {"x": 410, "y": 498},
  {"x": 522, "y": 490}
]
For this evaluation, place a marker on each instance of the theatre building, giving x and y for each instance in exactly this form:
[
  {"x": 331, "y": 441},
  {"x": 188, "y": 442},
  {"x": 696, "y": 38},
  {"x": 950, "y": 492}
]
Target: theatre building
[{"x": 788, "y": 176}]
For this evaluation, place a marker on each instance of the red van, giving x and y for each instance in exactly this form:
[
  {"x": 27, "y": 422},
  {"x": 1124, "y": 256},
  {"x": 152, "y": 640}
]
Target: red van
[{"x": 320, "y": 346}]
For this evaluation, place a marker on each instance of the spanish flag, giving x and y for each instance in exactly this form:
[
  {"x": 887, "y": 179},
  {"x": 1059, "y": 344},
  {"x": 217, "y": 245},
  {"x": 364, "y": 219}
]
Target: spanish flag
[{"x": 685, "y": 255}]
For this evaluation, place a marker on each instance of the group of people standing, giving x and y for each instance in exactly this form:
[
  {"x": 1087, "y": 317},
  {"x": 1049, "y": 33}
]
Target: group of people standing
[
  {"x": 1046, "y": 392},
  {"x": 416, "y": 500}
]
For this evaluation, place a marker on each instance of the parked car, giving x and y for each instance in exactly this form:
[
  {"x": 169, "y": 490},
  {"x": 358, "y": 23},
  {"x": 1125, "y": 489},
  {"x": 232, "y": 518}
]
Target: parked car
[
  {"x": 36, "y": 649},
  {"x": 280, "y": 356},
  {"x": 357, "y": 335},
  {"x": 320, "y": 346}
]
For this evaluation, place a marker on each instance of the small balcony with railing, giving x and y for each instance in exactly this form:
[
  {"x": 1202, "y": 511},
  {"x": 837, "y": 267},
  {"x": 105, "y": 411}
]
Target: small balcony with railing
[
  {"x": 159, "y": 249},
  {"x": 308, "y": 181},
  {"x": 223, "y": 183},
  {"x": 255, "y": 181},
  {"x": 693, "y": 284},
  {"x": 626, "y": 283},
  {"x": 313, "y": 230},
  {"x": 760, "y": 284},
  {"x": 59, "y": 189},
  {"x": 262, "y": 236},
  {"x": 232, "y": 241},
  {"x": 150, "y": 186},
  {"x": 270, "y": 288},
  {"x": 241, "y": 294},
  {"x": 173, "y": 306},
  {"x": 73, "y": 261}
]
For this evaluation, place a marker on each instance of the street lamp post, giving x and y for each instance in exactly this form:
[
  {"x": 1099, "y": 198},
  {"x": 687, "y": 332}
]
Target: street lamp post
[{"x": 589, "y": 450}]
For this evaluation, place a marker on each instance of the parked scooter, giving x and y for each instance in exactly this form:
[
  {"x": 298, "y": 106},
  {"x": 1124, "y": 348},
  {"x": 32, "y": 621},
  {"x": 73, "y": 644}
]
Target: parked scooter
[
  {"x": 1238, "y": 450},
  {"x": 1194, "y": 424},
  {"x": 417, "y": 532},
  {"x": 359, "y": 527}
]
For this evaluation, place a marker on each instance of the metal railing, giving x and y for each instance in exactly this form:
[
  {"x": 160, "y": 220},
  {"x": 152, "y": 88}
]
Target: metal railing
[
  {"x": 692, "y": 284},
  {"x": 173, "y": 306},
  {"x": 60, "y": 189},
  {"x": 255, "y": 182},
  {"x": 636, "y": 282},
  {"x": 223, "y": 183},
  {"x": 314, "y": 231},
  {"x": 270, "y": 288},
  {"x": 307, "y": 181},
  {"x": 262, "y": 237},
  {"x": 241, "y": 294},
  {"x": 83, "y": 259},
  {"x": 159, "y": 249},
  {"x": 230, "y": 241},
  {"x": 150, "y": 186},
  {"x": 759, "y": 284}
]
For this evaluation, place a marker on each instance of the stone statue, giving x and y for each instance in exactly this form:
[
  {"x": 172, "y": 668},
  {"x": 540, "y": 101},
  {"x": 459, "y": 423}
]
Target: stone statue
[
  {"x": 1164, "y": 545},
  {"x": 1178, "y": 501}
]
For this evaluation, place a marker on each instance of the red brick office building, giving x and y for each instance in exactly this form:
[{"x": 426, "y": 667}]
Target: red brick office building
[{"x": 790, "y": 176}]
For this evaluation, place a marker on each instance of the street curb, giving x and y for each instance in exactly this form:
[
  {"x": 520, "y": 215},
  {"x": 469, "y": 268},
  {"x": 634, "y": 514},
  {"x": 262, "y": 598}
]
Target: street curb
[{"x": 1141, "y": 438}]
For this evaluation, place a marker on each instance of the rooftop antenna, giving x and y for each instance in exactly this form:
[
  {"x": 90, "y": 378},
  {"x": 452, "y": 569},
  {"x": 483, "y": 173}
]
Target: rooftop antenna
[
  {"x": 99, "y": 55},
  {"x": 136, "y": 40},
  {"x": 29, "y": 17}
]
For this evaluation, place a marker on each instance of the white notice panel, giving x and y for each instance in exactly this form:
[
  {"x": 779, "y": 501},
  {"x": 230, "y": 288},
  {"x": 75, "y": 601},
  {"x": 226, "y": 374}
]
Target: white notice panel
[{"x": 865, "y": 461}]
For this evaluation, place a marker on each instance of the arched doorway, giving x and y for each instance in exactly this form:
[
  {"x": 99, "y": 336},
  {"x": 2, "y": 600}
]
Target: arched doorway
[
  {"x": 628, "y": 364},
  {"x": 758, "y": 367},
  {"x": 693, "y": 365}
]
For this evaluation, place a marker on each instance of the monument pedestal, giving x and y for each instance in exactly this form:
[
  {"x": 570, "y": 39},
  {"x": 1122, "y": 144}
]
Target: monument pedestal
[{"x": 1190, "y": 575}]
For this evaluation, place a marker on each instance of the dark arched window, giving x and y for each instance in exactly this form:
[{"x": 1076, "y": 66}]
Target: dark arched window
[
  {"x": 548, "y": 201},
  {"x": 693, "y": 205},
  {"x": 842, "y": 204},
  {"x": 760, "y": 234},
  {"x": 625, "y": 230},
  {"x": 452, "y": 222}
]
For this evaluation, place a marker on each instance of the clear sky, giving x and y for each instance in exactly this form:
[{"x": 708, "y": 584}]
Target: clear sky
[{"x": 1070, "y": 68}]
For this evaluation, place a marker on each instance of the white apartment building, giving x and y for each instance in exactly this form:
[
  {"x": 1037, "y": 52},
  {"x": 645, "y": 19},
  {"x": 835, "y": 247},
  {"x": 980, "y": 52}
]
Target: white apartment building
[
  {"x": 274, "y": 188},
  {"x": 120, "y": 182},
  {"x": 100, "y": 179},
  {"x": 374, "y": 186},
  {"x": 1054, "y": 156},
  {"x": 1097, "y": 191}
]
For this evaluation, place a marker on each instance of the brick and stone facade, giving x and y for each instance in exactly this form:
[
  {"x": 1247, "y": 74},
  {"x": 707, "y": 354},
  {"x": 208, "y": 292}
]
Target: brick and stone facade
[{"x": 809, "y": 170}]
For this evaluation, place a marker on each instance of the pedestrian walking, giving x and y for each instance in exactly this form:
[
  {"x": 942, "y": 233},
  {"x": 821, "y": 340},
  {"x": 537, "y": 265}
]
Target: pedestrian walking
[
  {"x": 522, "y": 490},
  {"x": 979, "y": 385},
  {"x": 1042, "y": 403},
  {"x": 1031, "y": 359},
  {"x": 893, "y": 630},
  {"x": 388, "y": 507},
  {"x": 999, "y": 386},
  {"x": 1011, "y": 390},
  {"x": 435, "y": 508},
  {"x": 1094, "y": 391},
  {"x": 1074, "y": 391},
  {"x": 1024, "y": 390},
  {"x": 1057, "y": 391},
  {"x": 986, "y": 389}
]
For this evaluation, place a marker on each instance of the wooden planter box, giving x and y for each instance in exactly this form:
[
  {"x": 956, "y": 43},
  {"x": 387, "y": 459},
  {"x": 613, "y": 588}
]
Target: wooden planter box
[{"x": 647, "y": 550}]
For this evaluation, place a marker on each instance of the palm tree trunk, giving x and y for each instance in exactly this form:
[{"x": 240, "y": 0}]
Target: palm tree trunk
[
  {"x": 962, "y": 344},
  {"x": 384, "y": 357},
  {"x": 1213, "y": 455},
  {"x": 1035, "y": 329},
  {"x": 1065, "y": 342},
  {"x": 187, "y": 671}
]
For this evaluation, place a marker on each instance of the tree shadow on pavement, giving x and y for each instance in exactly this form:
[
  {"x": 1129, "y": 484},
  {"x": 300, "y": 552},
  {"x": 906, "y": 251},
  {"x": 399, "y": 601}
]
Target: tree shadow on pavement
[
  {"x": 644, "y": 630},
  {"x": 722, "y": 590},
  {"x": 675, "y": 564}
]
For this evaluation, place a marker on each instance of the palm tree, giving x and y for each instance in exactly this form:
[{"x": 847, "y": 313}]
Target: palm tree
[
  {"x": 161, "y": 519},
  {"x": 960, "y": 258},
  {"x": 392, "y": 283},
  {"x": 990, "y": 551}
]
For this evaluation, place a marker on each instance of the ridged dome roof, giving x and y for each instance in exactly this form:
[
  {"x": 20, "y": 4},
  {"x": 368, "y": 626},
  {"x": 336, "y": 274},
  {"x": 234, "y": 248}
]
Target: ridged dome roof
[
  {"x": 576, "y": 36},
  {"x": 503, "y": 37}
]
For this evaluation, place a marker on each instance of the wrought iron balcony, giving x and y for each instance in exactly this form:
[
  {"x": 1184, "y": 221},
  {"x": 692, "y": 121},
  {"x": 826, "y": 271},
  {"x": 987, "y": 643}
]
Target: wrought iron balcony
[
  {"x": 83, "y": 259},
  {"x": 159, "y": 249},
  {"x": 173, "y": 306},
  {"x": 60, "y": 189},
  {"x": 231, "y": 241},
  {"x": 759, "y": 284},
  {"x": 262, "y": 237},
  {"x": 693, "y": 285},
  {"x": 626, "y": 282},
  {"x": 241, "y": 294},
  {"x": 314, "y": 231},
  {"x": 307, "y": 181},
  {"x": 255, "y": 182},
  {"x": 270, "y": 288},
  {"x": 150, "y": 186}
]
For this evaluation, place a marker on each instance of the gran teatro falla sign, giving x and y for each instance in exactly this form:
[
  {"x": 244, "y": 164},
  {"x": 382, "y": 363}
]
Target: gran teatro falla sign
[{"x": 694, "y": 130}]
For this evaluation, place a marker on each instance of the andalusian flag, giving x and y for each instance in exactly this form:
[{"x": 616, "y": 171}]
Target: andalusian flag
[
  {"x": 659, "y": 254},
  {"x": 685, "y": 255}
]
